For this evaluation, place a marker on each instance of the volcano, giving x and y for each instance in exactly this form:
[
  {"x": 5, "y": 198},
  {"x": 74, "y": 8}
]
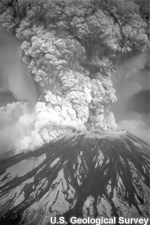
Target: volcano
[{"x": 80, "y": 174}]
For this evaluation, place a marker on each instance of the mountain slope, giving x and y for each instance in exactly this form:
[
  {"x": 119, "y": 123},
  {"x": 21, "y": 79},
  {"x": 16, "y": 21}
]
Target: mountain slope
[{"x": 79, "y": 174}]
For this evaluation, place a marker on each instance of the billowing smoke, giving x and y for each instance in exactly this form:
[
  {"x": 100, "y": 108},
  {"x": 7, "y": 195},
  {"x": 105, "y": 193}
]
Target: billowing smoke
[
  {"x": 23, "y": 129},
  {"x": 16, "y": 122},
  {"x": 132, "y": 85},
  {"x": 68, "y": 48}
]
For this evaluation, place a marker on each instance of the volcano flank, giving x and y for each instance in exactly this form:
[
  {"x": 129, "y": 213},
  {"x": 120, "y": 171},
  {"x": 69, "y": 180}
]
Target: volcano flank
[{"x": 76, "y": 175}]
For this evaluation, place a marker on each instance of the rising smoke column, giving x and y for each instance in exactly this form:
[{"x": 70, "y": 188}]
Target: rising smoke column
[{"x": 69, "y": 48}]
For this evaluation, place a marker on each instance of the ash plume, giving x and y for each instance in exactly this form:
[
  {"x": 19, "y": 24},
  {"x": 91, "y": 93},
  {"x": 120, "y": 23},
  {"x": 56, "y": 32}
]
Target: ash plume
[{"x": 70, "y": 48}]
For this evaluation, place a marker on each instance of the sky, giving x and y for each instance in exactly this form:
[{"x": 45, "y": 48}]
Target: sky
[
  {"x": 13, "y": 74},
  {"x": 132, "y": 82}
]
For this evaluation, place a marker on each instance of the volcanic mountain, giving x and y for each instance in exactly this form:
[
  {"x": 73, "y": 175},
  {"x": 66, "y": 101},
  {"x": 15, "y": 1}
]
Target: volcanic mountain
[
  {"x": 82, "y": 175},
  {"x": 59, "y": 59}
]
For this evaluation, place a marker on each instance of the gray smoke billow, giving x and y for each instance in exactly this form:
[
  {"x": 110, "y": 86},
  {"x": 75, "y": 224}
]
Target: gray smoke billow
[
  {"x": 17, "y": 121},
  {"x": 69, "y": 47}
]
